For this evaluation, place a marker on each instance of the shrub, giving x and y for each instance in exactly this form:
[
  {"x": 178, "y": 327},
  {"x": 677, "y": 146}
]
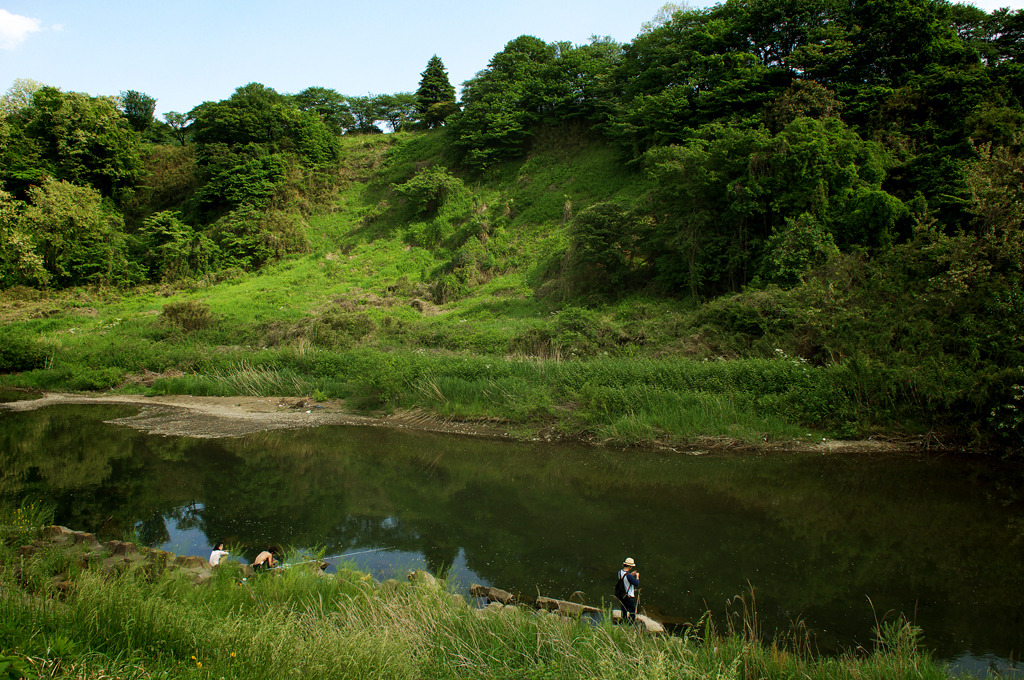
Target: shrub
[
  {"x": 249, "y": 237},
  {"x": 340, "y": 328},
  {"x": 580, "y": 332},
  {"x": 189, "y": 315},
  {"x": 23, "y": 524},
  {"x": 96, "y": 379},
  {"x": 20, "y": 351},
  {"x": 604, "y": 239},
  {"x": 172, "y": 249},
  {"x": 429, "y": 190}
]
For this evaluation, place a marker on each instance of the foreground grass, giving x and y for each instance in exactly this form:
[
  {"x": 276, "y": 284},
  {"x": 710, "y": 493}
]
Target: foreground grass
[{"x": 142, "y": 624}]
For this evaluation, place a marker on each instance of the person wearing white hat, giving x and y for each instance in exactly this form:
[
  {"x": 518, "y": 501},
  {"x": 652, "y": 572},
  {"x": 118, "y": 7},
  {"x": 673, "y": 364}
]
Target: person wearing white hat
[{"x": 626, "y": 589}]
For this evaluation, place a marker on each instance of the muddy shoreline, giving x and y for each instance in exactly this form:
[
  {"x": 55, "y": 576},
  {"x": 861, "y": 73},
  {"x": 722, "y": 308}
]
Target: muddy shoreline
[{"x": 215, "y": 417}]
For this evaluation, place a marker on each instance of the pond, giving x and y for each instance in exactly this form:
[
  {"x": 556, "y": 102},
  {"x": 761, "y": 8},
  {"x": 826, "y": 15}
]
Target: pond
[{"x": 820, "y": 546}]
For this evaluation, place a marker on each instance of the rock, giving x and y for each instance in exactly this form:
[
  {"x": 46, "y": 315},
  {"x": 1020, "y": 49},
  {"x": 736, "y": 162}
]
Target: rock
[
  {"x": 390, "y": 586},
  {"x": 79, "y": 537},
  {"x": 565, "y": 607},
  {"x": 200, "y": 576},
  {"x": 62, "y": 585},
  {"x": 57, "y": 533},
  {"x": 492, "y": 594},
  {"x": 423, "y": 578},
  {"x": 649, "y": 624},
  {"x": 121, "y": 548},
  {"x": 191, "y": 562}
]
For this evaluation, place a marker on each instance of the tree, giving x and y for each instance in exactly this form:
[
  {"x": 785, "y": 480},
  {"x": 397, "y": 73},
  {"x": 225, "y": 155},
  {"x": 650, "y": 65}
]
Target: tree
[
  {"x": 398, "y": 110},
  {"x": 735, "y": 202},
  {"x": 20, "y": 261},
  {"x": 178, "y": 122},
  {"x": 366, "y": 112},
  {"x": 172, "y": 250},
  {"x": 528, "y": 84},
  {"x": 996, "y": 180},
  {"x": 694, "y": 69},
  {"x": 803, "y": 98},
  {"x": 80, "y": 239},
  {"x": 435, "y": 97},
  {"x": 329, "y": 105},
  {"x": 603, "y": 255},
  {"x": 258, "y": 115},
  {"x": 249, "y": 237},
  {"x": 18, "y": 95},
  {"x": 707, "y": 202},
  {"x": 82, "y": 139},
  {"x": 138, "y": 109},
  {"x": 254, "y": 114},
  {"x": 663, "y": 15}
]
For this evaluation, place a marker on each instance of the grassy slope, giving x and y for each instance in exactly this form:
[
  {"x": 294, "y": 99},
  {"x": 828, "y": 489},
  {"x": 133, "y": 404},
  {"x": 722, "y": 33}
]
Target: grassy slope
[{"x": 354, "y": 318}]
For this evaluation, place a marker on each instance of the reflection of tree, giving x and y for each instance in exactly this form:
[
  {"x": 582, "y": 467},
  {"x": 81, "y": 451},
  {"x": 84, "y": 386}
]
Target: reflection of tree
[
  {"x": 442, "y": 547},
  {"x": 153, "y": 530},
  {"x": 56, "y": 446},
  {"x": 187, "y": 516}
]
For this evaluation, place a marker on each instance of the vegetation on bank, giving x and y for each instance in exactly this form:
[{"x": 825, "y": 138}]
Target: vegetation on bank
[
  {"x": 146, "y": 623},
  {"x": 359, "y": 319},
  {"x": 752, "y": 221}
]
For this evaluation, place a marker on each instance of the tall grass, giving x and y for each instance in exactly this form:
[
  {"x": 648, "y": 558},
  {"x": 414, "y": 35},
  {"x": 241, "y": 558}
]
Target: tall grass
[
  {"x": 20, "y": 524},
  {"x": 307, "y": 625},
  {"x": 615, "y": 399}
]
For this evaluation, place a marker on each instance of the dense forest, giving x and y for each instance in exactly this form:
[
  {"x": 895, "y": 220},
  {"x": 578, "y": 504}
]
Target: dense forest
[{"x": 837, "y": 181}]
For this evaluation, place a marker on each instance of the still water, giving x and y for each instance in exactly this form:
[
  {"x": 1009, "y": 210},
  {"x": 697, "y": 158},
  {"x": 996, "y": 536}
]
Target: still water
[{"x": 818, "y": 544}]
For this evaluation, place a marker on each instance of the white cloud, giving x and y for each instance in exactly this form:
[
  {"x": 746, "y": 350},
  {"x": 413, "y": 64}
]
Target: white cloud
[{"x": 14, "y": 28}]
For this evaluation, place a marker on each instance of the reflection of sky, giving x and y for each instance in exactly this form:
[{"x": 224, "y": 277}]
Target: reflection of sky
[
  {"x": 380, "y": 562},
  {"x": 985, "y": 665}
]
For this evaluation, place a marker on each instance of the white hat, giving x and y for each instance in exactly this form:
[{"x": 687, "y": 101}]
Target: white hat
[{"x": 629, "y": 562}]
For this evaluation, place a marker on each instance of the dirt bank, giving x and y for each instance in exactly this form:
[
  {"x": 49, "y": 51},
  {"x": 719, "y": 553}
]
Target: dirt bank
[{"x": 212, "y": 417}]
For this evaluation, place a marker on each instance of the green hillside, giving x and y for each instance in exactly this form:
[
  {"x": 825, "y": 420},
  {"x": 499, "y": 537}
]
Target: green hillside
[{"x": 748, "y": 224}]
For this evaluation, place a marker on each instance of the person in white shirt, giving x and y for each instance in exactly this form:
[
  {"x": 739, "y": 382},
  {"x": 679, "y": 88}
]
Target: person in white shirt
[{"x": 218, "y": 554}]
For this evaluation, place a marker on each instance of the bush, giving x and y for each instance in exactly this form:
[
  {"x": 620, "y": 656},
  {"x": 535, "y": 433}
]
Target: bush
[
  {"x": 429, "y": 190},
  {"x": 250, "y": 238},
  {"x": 189, "y": 315},
  {"x": 172, "y": 250},
  {"x": 23, "y": 524},
  {"x": 580, "y": 332},
  {"x": 20, "y": 352},
  {"x": 603, "y": 241},
  {"x": 341, "y": 328},
  {"x": 97, "y": 379}
]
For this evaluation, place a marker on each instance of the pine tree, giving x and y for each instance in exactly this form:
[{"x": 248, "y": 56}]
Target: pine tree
[{"x": 435, "y": 98}]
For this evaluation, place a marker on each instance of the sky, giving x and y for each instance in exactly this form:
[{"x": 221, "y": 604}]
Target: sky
[{"x": 186, "y": 52}]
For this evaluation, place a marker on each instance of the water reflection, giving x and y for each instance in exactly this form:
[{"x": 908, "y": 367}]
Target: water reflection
[{"x": 815, "y": 537}]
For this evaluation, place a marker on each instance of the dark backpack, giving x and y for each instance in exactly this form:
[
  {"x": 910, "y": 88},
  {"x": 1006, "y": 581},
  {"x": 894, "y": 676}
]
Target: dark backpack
[{"x": 620, "y": 589}]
